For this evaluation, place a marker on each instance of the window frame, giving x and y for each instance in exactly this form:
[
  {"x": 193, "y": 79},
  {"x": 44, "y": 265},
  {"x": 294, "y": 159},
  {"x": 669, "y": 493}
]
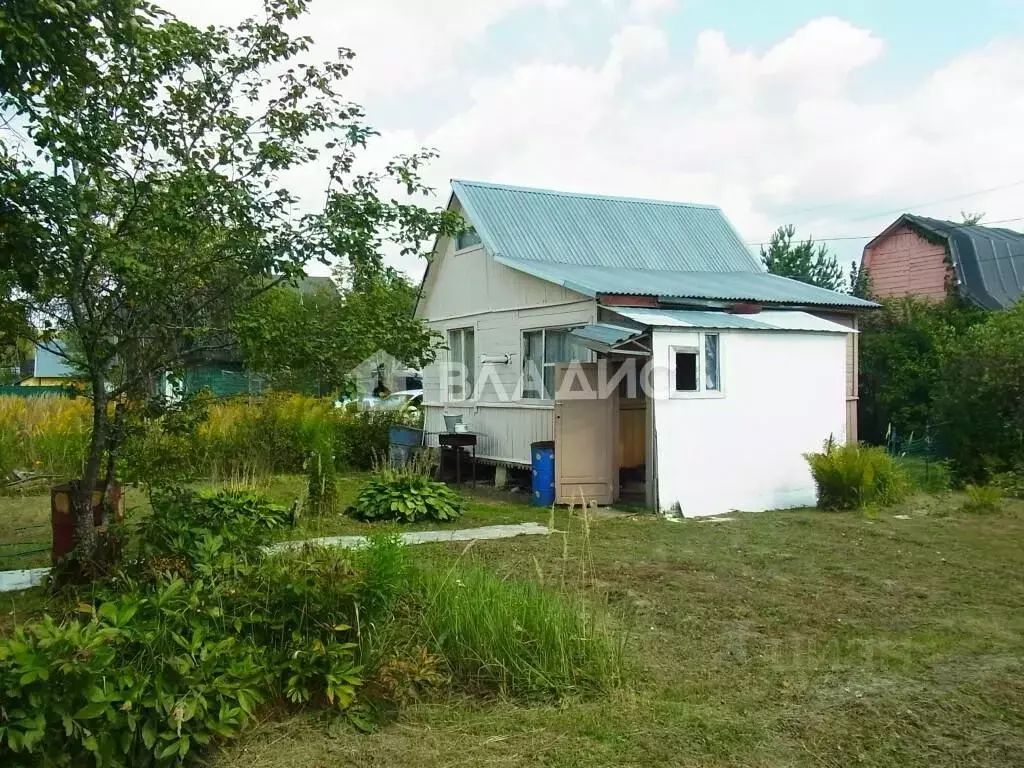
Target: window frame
[
  {"x": 467, "y": 382},
  {"x": 458, "y": 239},
  {"x": 700, "y": 349},
  {"x": 543, "y": 362}
]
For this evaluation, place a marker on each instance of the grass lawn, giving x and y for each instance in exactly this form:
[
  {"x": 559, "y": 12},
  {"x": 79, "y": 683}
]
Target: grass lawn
[
  {"x": 25, "y": 520},
  {"x": 797, "y": 638},
  {"x": 792, "y": 638}
]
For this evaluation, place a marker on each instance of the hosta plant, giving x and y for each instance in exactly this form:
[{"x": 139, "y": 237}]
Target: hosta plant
[{"x": 406, "y": 498}]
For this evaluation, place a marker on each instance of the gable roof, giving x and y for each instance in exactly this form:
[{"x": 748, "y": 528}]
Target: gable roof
[
  {"x": 592, "y": 230},
  {"x": 988, "y": 261}
]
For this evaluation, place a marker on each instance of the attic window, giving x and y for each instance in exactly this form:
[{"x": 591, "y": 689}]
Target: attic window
[{"x": 467, "y": 239}]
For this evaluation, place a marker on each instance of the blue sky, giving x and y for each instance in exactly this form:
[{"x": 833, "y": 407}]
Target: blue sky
[{"x": 834, "y": 116}]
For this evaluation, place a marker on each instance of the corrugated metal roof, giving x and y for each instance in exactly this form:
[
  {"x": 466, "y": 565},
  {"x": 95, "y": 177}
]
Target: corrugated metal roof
[
  {"x": 666, "y": 284},
  {"x": 988, "y": 260},
  {"x": 591, "y": 230},
  {"x": 764, "y": 321},
  {"x": 50, "y": 365},
  {"x": 605, "y": 333}
]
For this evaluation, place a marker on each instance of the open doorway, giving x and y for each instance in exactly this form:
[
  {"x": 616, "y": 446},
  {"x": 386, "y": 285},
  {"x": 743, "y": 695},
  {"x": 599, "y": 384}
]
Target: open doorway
[{"x": 632, "y": 442}]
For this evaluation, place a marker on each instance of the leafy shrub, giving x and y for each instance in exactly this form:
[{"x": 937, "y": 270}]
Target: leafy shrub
[
  {"x": 856, "y": 476},
  {"x": 982, "y": 499},
  {"x": 163, "y": 667},
  {"x": 1010, "y": 483},
  {"x": 406, "y": 497},
  {"x": 515, "y": 637},
  {"x": 186, "y": 523},
  {"x": 361, "y": 437}
]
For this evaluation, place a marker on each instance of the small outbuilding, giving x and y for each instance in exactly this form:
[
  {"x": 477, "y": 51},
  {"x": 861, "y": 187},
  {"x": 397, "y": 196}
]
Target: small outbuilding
[{"x": 646, "y": 340}]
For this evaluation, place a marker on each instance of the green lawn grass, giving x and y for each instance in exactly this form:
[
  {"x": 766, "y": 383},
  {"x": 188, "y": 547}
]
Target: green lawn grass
[{"x": 797, "y": 638}]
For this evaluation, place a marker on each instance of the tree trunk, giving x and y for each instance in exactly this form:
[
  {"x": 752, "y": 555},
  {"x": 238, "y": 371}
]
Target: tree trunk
[{"x": 83, "y": 488}]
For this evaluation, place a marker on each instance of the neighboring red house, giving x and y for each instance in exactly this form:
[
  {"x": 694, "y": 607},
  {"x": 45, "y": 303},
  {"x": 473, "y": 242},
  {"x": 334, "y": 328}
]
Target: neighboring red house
[{"x": 929, "y": 258}]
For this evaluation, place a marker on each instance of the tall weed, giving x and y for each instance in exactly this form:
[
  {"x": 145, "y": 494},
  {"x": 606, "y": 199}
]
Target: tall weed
[
  {"x": 44, "y": 434},
  {"x": 856, "y": 476}
]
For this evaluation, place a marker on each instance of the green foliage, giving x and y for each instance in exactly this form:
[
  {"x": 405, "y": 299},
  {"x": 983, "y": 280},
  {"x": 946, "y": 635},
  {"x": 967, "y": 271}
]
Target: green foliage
[
  {"x": 310, "y": 342},
  {"x": 802, "y": 261},
  {"x": 144, "y": 195},
  {"x": 1010, "y": 483},
  {"x": 980, "y": 400},
  {"x": 982, "y": 499},
  {"x": 186, "y": 523},
  {"x": 407, "y": 495},
  {"x": 926, "y": 474},
  {"x": 856, "y": 476},
  {"x": 902, "y": 349},
  {"x": 321, "y": 483},
  {"x": 515, "y": 637}
]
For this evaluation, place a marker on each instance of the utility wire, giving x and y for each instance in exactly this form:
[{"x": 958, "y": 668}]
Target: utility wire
[{"x": 951, "y": 225}]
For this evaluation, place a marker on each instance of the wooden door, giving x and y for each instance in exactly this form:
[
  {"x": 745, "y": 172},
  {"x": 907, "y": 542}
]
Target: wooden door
[{"x": 586, "y": 438}]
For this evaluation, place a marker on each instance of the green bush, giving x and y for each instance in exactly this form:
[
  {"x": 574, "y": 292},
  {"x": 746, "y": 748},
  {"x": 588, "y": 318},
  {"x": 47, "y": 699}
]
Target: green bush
[
  {"x": 982, "y": 499},
  {"x": 516, "y": 637},
  {"x": 407, "y": 494},
  {"x": 1009, "y": 483},
  {"x": 184, "y": 522},
  {"x": 164, "y": 666},
  {"x": 856, "y": 476}
]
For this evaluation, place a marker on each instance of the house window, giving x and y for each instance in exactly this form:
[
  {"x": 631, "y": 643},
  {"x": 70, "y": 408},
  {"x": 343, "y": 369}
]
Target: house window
[
  {"x": 686, "y": 370},
  {"x": 712, "y": 373},
  {"x": 462, "y": 363},
  {"x": 542, "y": 351},
  {"x": 467, "y": 239},
  {"x": 698, "y": 369}
]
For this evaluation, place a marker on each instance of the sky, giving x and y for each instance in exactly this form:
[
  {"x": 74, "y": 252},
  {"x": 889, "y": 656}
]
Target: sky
[{"x": 835, "y": 116}]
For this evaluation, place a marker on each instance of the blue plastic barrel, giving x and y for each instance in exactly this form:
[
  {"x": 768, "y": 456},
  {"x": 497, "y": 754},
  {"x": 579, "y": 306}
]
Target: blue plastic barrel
[{"x": 543, "y": 461}]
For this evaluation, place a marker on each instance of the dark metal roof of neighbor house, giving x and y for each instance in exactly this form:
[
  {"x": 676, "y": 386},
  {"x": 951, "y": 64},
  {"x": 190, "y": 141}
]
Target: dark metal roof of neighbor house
[
  {"x": 988, "y": 261},
  {"x": 619, "y": 245},
  {"x": 680, "y": 285}
]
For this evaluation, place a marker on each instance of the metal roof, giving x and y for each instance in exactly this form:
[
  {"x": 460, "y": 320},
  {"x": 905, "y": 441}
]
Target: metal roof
[
  {"x": 675, "y": 285},
  {"x": 591, "y": 230},
  {"x": 50, "y": 365},
  {"x": 763, "y": 321},
  {"x": 989, "y": 261},
  {"x": 605, "y": 333}
]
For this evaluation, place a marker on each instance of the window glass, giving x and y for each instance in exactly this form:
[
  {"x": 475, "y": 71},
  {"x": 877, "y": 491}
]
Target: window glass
[
  {"x": 469, "y": 359},
  {"x": 711, "y": 371},
  {"x": 455, "y": 360},
  {"x": 467, "y": 239},
  {"x": 686, "y": 371},
  {"x": 533, "y": 364}
]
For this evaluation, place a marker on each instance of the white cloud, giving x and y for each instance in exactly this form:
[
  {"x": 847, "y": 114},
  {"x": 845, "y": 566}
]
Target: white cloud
[{"x": 766, "y": 132}]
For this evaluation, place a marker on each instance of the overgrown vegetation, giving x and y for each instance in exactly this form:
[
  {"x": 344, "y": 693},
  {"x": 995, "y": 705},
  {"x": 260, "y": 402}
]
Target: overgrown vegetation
[
  {"x": 856, "y": 476},
  {"x": 185, "y": 646},
  {"x": 406, "y": 493},
  {"x": 982, "y": 499},
  {"x": 198, "y": 439}
]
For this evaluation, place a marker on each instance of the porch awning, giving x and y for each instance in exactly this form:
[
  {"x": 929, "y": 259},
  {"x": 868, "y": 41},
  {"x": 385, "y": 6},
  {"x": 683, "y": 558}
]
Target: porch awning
[{"x": 605, "y": 337}]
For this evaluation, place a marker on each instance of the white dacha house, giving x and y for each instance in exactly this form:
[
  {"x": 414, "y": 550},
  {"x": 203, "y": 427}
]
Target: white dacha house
[{"x": 646, "y": 340}]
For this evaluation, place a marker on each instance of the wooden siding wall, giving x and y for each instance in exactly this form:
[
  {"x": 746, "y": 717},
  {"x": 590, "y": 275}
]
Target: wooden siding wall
[
  {"x": 468, "y": 289},
  {"x": 904, "y": 262}
]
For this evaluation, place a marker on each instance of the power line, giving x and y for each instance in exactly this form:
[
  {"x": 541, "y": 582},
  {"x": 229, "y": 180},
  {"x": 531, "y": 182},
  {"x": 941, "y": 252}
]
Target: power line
[
  {"x": 905, "y": 207},
  {"x": 870, "y": 237}
]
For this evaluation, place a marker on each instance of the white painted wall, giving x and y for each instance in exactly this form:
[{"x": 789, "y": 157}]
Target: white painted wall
[{"x": 784, "y": 394}]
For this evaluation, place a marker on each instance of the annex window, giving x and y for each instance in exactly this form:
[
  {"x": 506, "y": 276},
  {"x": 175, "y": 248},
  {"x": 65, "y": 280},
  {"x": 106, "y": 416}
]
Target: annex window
[
  {"x": 462, "y": 363},
  {"x": 467, "y": 239},
  {"x": 542, "y": 351},
  {"x": 698, "y": 369}
]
